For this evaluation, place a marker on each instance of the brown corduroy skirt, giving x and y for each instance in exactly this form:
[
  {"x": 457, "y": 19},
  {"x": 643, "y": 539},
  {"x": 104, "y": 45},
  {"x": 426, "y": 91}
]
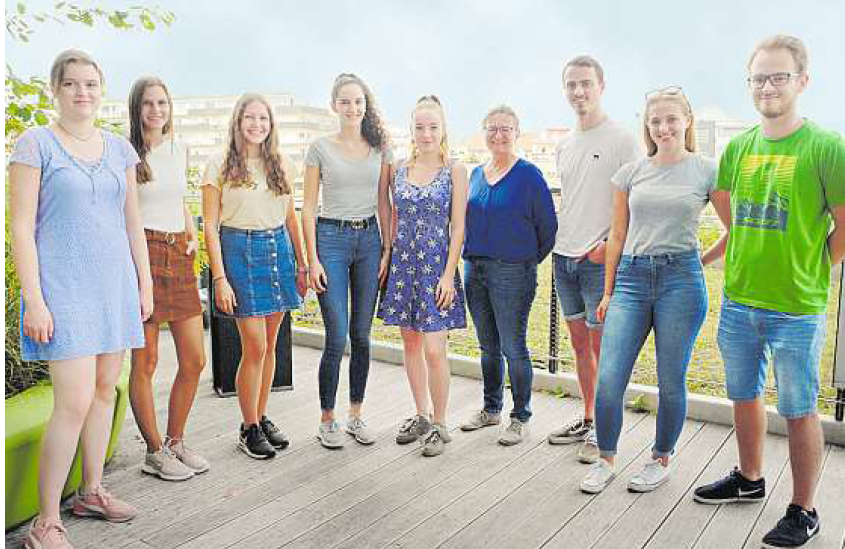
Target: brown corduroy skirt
[{"x": 175, "y": 292}]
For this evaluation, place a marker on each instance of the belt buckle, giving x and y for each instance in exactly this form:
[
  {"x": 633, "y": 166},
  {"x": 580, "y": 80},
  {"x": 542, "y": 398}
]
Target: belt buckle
[
  {"x": 358, "y": 224},
  {"x": 170, "y": 239}
]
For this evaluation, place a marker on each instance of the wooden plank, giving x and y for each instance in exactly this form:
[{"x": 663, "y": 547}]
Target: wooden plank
[
  {"x": 830, "y": 499},
  {"x": 464, "y": 455},
  {"x": 648, "y": 511},
  {"x": 236, "y": 518},
  {"x": 690, "y": 520},
  {"x": 238, "y": 476},
  {"x": 451, "y": 520}
]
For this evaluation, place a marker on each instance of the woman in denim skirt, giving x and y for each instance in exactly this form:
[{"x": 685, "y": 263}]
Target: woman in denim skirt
[
  {"x": 653, "y": 281},
  {"x": 351, "y": 169},
  {"x": 254, "y": 249}
]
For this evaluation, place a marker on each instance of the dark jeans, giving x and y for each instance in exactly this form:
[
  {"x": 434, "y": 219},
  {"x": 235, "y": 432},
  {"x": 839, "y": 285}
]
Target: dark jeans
[
  {"x": 499, "y": 296},
  {"x": 350, "y": 258}
]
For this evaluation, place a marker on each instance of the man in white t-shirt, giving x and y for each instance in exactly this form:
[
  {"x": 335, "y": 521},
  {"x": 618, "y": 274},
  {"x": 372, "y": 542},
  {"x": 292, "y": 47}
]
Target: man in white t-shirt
[{"x": 586, "y": 158}]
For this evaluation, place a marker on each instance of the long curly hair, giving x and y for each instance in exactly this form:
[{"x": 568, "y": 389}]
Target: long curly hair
[
  {"x": 234, "y": 171},
  {"x": 136, "y": 124},
  {"x": 372, "y": 126}
]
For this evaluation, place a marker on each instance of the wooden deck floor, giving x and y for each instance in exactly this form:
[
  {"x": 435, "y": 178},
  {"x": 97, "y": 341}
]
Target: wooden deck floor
[{"x": 477, "y": 495}]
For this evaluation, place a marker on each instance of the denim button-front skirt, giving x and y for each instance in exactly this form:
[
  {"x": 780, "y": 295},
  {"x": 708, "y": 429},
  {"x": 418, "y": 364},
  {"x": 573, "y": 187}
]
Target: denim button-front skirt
[{"x": 260, "y": 268}]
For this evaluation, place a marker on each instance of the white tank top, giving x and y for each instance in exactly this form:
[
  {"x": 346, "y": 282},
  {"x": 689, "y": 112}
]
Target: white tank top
[{"x": 161, "y": 200}]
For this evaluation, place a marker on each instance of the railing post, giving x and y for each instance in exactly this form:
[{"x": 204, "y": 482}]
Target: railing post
[
  {"x": 553, "y": 335},
  {"x": 840, "y": 404}
]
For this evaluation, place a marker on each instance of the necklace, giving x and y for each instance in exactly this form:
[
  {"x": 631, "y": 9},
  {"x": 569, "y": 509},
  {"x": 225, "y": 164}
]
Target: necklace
[{"x": 78, "y": 138}]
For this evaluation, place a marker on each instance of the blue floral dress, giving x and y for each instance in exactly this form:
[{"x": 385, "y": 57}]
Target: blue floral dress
[{"x": 420, "y": 252}]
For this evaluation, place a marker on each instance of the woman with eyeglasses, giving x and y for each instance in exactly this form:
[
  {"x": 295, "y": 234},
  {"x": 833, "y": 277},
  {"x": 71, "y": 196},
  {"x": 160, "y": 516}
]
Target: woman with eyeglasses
[
  {"x": 510, "y": 228},
  {"x": 653, "y": 282}
]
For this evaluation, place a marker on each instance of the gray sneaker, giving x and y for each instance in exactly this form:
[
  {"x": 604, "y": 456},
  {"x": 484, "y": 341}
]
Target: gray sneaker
[
  {"x": 479, "y": 420},
  {"x": 589, "y": 451},
  {"x": 575, "y": 430},
  {"x": 514, "y": 433},
  {"x": 358, "y": 429},
  {"x": 436, "y": 440},
  {"x": 330, "y": 435},
  {"x": 193, "y": 460},
  {"x": 412, "y": 429},
  {"x": 165, "y": 465}
]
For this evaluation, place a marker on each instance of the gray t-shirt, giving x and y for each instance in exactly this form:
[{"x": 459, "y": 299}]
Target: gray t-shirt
[
  {"x": 586, "y": 160},
  {"x": 665, "y": 203},
  {"x": 349, "y": 187}
]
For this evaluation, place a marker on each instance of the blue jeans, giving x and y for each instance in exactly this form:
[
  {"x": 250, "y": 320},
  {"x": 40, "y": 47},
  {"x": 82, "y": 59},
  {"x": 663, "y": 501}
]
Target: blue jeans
[
  {"x": 666, "y": 293},
  {"x": 580, "y": 287},
  {"x": 499, "y": 297},
  {"x": 350, "y": 258},
  {"x": 749, "y": 336}
]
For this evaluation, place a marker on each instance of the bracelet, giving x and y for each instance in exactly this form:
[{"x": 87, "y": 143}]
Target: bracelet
[
  {"x": 302, "y": 270},
  {"x": 217, "y": 279}
]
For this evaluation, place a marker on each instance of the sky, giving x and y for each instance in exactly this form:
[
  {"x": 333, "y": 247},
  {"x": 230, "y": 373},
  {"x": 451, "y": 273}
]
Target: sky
[{"x": 473, "y": 54}]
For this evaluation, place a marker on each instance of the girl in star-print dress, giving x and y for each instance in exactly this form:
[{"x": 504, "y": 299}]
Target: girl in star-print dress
[{"x": 423, "y": 293}]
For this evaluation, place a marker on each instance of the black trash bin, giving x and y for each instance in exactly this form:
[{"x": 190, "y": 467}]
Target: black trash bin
[{"x": 226, "y": 351}]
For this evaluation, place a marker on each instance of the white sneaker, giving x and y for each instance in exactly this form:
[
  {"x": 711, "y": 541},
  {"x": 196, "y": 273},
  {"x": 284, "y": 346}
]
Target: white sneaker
[
  {"x": 598, "y": 477},
  {"x": 652, "y": 475},
  {"x": 589, "y": 451}
]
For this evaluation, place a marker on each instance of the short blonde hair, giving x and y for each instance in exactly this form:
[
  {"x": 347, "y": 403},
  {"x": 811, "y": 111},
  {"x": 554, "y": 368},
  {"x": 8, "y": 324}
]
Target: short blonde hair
[
  {"x": 501, "y": 109},
  {"x": 792, "y": 44},
  {"x": 57, "y": 71}
]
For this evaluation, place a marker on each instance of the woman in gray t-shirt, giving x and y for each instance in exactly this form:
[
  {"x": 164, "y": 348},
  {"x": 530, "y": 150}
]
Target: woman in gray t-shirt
[
  {"x": 346, "y": 258},
  {"x": 653, "y": 281}
]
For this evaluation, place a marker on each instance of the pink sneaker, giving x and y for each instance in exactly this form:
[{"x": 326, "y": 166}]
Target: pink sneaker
[
  {"x": 102, "y": 504},
  {"x": 47, "y": 534}
]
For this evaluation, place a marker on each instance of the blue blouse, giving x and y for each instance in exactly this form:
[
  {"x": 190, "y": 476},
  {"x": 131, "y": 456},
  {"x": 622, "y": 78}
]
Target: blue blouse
[{"x": 513, "y": 220}]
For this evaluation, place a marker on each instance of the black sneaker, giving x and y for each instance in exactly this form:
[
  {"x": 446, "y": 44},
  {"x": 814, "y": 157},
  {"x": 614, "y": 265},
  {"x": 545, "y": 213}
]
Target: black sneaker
[
  {"x": 274, "y": 436},
  {"x": 794, "y": 530},
  {"x": 734, "y": 488},
  {"x": 254, "y": 444}
]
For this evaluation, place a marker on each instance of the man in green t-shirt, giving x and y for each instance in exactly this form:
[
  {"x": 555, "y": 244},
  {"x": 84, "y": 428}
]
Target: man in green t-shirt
[{"x": 781, "y": 186}]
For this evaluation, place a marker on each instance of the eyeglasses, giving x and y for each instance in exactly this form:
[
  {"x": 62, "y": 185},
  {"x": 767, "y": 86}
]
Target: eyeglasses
[
  {"x": 777, "y": 79},
  {"x": 669, "y": 90},
  {"x": 504, "y": 130}
]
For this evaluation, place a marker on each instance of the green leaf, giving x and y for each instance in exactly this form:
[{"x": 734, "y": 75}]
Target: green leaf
[
  {"x": 60, "y": 5},
  {"x": 147, "y": 22},
  {"x": 41, "y": 119},
  {"x": 21, "y": 8}
]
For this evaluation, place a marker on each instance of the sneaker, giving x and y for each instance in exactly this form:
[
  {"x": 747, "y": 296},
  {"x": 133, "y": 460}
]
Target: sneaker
[
  {"x": 165, "y": 465},
  {"x": 650, "y": 477},
  {"x": 514, "y": 434},
  {"x": 191, "y": 459},
  {"x": 575, "y": 430},
  {"x": 274, "y": 436},
  {"x": 47, "y": 534},
  {"x": 798, "y": 527},
  {"x": 436, "y": 440},
  {"x": 598, "y": 477},
  {"x": 359, "y": 430},
  {"x": 733, "y": 488},
  {"x": 254, "y": 444},
  {"x": 589, "y": 451},
  {"x": 101, "y": 504},
  {"x": 481, "y": 419},
  {"x": 330, "y": 435},
  {"x": 412, "y": 429}
]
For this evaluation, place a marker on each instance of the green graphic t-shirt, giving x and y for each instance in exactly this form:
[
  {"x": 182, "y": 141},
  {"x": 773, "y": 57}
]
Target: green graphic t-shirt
[{"x": 781, "y": 193}]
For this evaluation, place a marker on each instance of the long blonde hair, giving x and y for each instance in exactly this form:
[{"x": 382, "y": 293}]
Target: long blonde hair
[
  {"x": 431, "y": 102},
  {"x": 234, "y": 170}
]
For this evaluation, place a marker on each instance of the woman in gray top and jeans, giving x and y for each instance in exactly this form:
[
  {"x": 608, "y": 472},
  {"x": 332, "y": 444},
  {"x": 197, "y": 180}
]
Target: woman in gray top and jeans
[
  {"x": 346, "y": 256},
  {"x": 653, "y": 281}
]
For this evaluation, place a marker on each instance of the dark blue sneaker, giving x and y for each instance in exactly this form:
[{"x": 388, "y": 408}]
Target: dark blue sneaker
[
  {"x": 734, "y": 488},
  {"x": 796, "y": 529}
]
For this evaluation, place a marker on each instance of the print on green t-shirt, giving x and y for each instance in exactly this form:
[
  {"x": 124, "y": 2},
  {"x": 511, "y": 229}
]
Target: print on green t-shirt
[{"x": 781, "y": 194}]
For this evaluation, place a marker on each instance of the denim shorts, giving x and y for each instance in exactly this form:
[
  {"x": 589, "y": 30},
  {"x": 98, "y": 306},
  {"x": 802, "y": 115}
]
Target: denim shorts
[
  {"x": 260, "y": 268},
  {"x": 580, "y": 287},
  {"x": 749, "y": 337}
]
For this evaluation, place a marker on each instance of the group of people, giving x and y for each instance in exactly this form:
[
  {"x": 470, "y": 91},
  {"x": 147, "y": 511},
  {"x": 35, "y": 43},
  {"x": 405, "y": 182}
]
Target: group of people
[{"x": 104, "y": 246}]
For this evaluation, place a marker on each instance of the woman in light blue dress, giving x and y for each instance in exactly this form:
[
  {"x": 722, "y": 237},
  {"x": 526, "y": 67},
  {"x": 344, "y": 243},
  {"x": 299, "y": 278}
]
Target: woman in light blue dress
[{"x": 81, "y": 256}]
